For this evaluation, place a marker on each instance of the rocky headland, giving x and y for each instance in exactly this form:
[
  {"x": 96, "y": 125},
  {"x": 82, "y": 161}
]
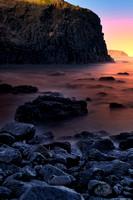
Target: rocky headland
[
  {"x": 49, "y": 32},
  {"x": 116, "y": 53}
]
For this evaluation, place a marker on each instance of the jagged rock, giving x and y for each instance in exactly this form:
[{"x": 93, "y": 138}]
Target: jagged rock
[
  {"x": 99, "y": 156},
  {"x": 16, "y": 184},
  {"x": 46, "y": 108},
  {"x": 115, "y": 167},
  {"x": 49, "y": 192},
  {"x": 61, "y": 180},
  {"x": 6, "y": 138},
  {"x": 64, "y": 145},
  {"x": 10, "y": 155},
  {"x": 67, "y": 34},
  {"x": 20, "y": 131},
  {"x": 4, "y": 192},
  {"x": 116, "y": 106},
  {"x": 47, "y": 172},
  {"x": 37, "y": 159},
  {"x": 7, "y": 170},
  {"x": 25, "y": 149},
  {"x": 99, "y": 188}
]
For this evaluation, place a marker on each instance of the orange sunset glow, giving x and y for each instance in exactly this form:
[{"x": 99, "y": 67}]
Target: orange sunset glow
[{"x": 119, "y": 34}]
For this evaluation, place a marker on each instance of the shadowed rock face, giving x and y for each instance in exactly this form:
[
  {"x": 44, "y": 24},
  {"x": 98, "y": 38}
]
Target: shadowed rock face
[
  {"x": 46, "y": 108},
  {"x": 50, "y": 33}
]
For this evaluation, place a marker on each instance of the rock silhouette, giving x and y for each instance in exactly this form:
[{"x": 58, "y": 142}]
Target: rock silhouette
[{"x": 50, "y": 33}]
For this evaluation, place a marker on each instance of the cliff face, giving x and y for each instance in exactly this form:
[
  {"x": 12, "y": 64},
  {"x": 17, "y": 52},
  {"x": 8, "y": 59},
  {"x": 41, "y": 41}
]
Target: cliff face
[
  {"x": 50, "y": 33},
  {"x": 116, "y": 53}
]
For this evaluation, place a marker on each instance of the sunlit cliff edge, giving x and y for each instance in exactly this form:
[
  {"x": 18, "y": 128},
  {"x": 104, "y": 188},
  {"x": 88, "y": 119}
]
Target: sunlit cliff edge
[
  {"x": 49, "y": 32},
  {"x": 117, "y": 53}
]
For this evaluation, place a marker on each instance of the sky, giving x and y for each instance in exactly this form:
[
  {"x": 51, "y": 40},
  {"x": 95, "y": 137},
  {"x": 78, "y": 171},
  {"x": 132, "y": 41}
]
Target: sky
[{"x": 117, "y": 21}]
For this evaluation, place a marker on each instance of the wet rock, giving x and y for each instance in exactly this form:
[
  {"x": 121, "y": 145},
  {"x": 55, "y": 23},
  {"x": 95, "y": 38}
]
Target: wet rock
[
  {"x": 20, "y": 131},
  {"x": 64, "y": 145},
  {"x": 99, "y": 156},
  {"x": 48, "y": 171},
  {"x": 85, "y": 176},
  {"x": 118, "y": 189},
  {"x": 85, "y": 146},
  {"x": 108, "y": 78},
  {"x": 25, "y": 149},
  {"x": 127, "y": 182},
  {"x": 43, "y": 150},
  {"x": 104, "y": 144},
  {"x": 123, "y": 73},
  {"x": 49, "y": 192},
  {"x": 46, "y": 108},
  {"x": 126, "y": 144},
  {"x": 4, "y": 192},
  {"x": 61, "y": 181},
  {"x": 37, "y": 159},
  {"x": 112, "y": 180},
  {"x": 10, "y": 155},
  {"x": 7, "y": 170},
  {"x": 115, "y": 167},
  {"x": 5, "y": 88},
  {"x": 116, "y": 106},
  {"x": 99, "y": 188},
  {"x": 24, "y": 89},
  {"x": 84, "y": 135},
  {"x": 6, "y": 138}
]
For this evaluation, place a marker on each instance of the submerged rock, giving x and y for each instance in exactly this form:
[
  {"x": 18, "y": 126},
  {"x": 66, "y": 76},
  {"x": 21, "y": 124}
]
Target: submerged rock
[
  {"x": 116, "y": 106},
  {"x": 108, "y": 78},
  {"x": 46, "y": 108},
  {"x": 5, "y": 88},
  {"x": 24, "y": 89}
]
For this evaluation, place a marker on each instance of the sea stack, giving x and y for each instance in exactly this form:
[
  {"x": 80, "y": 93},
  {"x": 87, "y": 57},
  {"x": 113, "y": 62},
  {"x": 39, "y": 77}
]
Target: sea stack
[{"x": 50, "y": 32}]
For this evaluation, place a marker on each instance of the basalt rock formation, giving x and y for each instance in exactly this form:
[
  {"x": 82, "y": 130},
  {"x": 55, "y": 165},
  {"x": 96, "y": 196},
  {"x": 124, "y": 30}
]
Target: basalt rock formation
[{"x": 49, "y": 32}]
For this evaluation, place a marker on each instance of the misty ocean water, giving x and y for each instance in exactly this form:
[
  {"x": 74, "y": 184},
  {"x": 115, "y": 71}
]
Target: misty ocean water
[{"x": 80, "y": 81}]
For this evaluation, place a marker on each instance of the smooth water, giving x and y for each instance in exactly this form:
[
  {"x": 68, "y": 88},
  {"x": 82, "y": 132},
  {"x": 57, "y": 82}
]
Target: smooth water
[{"x": 72, "y": 81}]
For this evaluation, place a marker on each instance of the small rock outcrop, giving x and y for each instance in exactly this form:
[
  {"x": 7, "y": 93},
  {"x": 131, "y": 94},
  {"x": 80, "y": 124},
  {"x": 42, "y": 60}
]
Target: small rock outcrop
[
  {"x": 46, "y": 108},
  {"x": 51, "y": 32}
]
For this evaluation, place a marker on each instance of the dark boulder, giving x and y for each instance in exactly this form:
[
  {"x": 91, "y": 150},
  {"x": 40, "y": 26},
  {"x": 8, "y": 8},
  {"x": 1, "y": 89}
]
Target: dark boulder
[
  {"x": 5, "y": 193},
  {"x": 6, "y": 138},
  {"x": 116, "y": 106},
  {"x": 126, "y": 144},
  {"x": 107, "y": 78},
  {"x": 10, "y": 155},
  {"x": 5, "y": 88},
  {"x": 88, "y": 99},
  {"x": 123, "y": 73},
  {"x": 103, "y": 144},
  {"x": 24, "y": 89},
  {"x": 46, "y": 108},
  {"x": 99, "y": 188},
  {"x": 115, "y": 167},
  {"x": 51, "y": 193},
  {"x": 20, "y": 131},
  {"x": 46, "y": 172}
]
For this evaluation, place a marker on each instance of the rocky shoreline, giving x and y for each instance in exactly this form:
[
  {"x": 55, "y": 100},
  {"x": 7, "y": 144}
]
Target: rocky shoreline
[{"x": 86, "y": 166}]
